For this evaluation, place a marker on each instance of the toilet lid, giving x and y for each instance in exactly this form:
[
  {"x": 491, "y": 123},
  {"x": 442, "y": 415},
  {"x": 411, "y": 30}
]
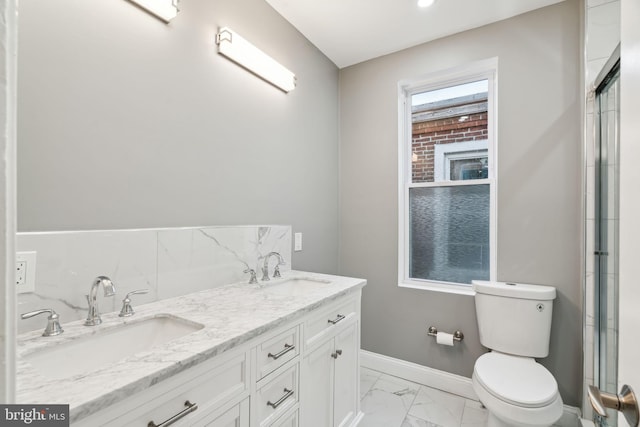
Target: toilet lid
[{"x": 518, "y": 380}]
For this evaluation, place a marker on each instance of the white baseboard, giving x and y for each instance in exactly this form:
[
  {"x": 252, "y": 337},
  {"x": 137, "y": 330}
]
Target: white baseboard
[
  {"x": 445, "y": 381},
  {"x": 435, "y": 378}
]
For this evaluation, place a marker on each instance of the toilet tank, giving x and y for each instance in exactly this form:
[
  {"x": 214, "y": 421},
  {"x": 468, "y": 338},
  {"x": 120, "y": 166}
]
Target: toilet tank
[{"x": 514, "y": 318}]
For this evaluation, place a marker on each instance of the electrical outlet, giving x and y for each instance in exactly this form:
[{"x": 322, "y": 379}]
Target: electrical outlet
[
  {"x": 26, "y": 272},
  {"x": 21, "y": 269}
]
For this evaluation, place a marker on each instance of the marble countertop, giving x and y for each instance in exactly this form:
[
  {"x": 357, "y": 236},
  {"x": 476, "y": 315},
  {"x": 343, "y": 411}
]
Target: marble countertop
[{"x": 231, "y": 315}]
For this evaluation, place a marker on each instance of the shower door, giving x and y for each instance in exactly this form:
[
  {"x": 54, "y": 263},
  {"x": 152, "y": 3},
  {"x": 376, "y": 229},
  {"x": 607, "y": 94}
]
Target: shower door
[{"x": 607, "y": 116}]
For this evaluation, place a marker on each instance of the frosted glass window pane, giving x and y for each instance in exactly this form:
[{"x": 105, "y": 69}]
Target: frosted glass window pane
[{"x": 449, "y": 233}]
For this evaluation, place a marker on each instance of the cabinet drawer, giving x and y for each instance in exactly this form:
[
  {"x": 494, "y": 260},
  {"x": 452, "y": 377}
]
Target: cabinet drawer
[
  {"x": 289, "y": 420},
  {"x": 322, "y": 324},
  {"x": 278, "y": 350},
  {"x": 207, "y": 390},
  {"x": 277, "y": 396}
]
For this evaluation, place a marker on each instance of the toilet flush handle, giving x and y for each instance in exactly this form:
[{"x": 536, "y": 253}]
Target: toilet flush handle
[{"x": 624, "y": 402}]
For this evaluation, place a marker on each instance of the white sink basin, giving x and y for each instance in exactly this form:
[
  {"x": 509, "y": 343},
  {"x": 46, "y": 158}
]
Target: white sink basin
[
  {"x": 296, "y": 286},
  {"x": 90, "y": 352}
]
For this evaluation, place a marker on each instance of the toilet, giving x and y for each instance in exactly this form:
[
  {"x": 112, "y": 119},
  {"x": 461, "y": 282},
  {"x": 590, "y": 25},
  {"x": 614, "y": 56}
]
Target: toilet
[{"x": 514, "y": 321}]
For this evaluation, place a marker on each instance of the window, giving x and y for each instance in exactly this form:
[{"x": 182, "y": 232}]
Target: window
[{"x": 447, "y": 179}]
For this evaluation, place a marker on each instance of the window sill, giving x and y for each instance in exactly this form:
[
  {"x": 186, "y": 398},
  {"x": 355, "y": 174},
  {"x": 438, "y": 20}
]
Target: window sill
[{"x": 439, "y": 287}]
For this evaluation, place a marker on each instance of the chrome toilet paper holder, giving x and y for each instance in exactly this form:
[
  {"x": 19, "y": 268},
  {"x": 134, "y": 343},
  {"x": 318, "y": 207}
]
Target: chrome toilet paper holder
[{"x": 457, "y": 335}]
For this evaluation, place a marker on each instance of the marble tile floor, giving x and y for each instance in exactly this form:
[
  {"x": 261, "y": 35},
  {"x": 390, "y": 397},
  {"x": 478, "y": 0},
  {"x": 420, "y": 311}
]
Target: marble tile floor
[{"x": 389, "y": 401}]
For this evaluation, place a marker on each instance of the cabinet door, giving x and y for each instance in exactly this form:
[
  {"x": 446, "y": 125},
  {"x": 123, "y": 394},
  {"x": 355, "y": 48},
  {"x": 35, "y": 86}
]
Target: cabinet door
[
  {"x": 316, "y": 400},
  {"x": 346, "y": 377}
]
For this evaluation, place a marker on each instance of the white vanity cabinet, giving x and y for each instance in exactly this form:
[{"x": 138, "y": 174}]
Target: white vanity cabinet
[
  {"x": 330, "y": 368},
  {"x": 304, "y": 373}
]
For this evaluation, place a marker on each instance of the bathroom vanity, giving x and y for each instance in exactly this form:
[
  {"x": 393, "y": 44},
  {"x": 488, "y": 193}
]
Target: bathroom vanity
[{"x": 282, "y": 354}]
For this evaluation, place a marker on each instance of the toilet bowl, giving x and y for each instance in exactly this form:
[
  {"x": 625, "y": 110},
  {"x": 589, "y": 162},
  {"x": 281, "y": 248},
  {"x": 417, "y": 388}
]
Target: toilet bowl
[{"x": 516, "y": 390}]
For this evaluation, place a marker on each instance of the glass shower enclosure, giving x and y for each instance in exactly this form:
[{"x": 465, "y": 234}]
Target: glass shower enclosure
[{"x": 607, "y": 119}]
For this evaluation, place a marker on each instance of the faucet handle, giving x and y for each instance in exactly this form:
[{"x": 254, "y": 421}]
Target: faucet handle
[
  {"x": 53, "y": 324},
  {"x": 253, "y": 280},
  {"x": 137, "y": 292},
  {"x": 276, "y": 271},
  {"x": 127, "y": 310}
]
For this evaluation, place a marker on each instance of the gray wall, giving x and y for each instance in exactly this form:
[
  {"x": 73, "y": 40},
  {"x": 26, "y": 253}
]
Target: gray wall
[
  {"x": 127, "y": 122},
  {"x": 539, "y": 208}
]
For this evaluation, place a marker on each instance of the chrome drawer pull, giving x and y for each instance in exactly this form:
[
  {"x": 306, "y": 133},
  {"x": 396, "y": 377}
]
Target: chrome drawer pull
[
  {"x": 190, "y": 407},
  {"x": 337, "y": 319},
  {"x": 287, "y": 348},
  {"x": 287, "y": 393}
]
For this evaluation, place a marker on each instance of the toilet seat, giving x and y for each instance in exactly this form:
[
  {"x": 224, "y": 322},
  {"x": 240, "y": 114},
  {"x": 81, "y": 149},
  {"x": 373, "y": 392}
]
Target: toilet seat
[
  {"x": 516, "y": 390},
  {"x": 516, "y": 380}
]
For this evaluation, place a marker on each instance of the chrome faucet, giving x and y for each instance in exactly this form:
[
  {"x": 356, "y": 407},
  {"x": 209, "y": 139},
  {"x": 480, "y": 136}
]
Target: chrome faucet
[
  {"x": 126, "y": 309},
  {"x": 53, "y": 321},
  {"x": 252, "y": 272},
  {"x": 93, "y": 318},
  {"x": 265, "y": 266}
]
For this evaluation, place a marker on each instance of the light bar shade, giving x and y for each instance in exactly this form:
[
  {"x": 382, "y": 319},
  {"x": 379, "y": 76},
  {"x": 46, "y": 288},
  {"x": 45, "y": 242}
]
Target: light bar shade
[
  {"x": 165, "y": 10},
  {"x": 239, "y": 50}
]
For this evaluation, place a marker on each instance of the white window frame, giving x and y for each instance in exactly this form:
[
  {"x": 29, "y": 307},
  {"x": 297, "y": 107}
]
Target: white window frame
[
  {"x": 444, "y": 153},
  {"x": 480, "y": 70}
]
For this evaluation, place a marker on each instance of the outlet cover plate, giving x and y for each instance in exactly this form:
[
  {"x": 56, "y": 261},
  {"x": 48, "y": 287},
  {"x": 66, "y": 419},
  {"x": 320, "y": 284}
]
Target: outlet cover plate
[
  {"x": 297, "y": 242},
  {"x": 26, "y": 276}
]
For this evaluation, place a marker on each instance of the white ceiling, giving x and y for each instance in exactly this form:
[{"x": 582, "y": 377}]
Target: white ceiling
[{"x": 352, "y": 31}]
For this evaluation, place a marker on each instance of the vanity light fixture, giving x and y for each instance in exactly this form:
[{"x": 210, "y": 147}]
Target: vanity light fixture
[
  {"x": 165, "y": 10},
  {"x": 425, "y": 3},
  {"x": 240, "y": 51}
]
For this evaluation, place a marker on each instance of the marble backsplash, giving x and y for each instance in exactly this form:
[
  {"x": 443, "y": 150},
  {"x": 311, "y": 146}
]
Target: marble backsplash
[{"x": 168, "y": 262}]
